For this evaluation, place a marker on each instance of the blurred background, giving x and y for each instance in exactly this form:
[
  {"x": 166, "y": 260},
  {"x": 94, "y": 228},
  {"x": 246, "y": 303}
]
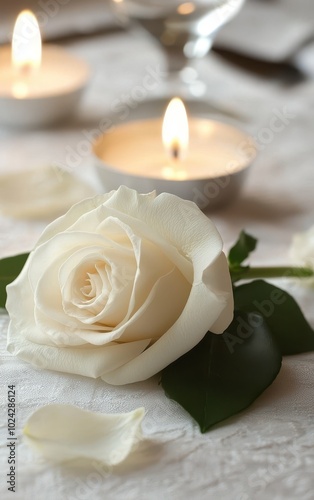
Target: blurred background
[
  {"x": 261, "y": 66},
  {"x": 273, "y": 31},
  {"x": 258, "y": 75}
]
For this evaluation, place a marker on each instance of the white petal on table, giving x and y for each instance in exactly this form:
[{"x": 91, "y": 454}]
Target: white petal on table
[
  {"x": 64, "y": 432},
  {"x": 40, "y": 192}
]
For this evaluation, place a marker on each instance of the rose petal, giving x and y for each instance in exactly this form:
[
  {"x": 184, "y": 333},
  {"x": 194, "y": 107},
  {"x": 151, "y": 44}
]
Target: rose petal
[
  {"x": 40, "y": 192},
  {"x": 170, "y": 293},
  {"x": 45, "y": 264},
  {"x": 203, "y": 308},
  {"x": 65, "y": 432},
  {"x": 106, "y": 279},
  {"x": 71, "y": 216},
  {"x": 91, "y": 361},
  {"x": 218, "y": 278},
  {"x": 210, "y": 303}
]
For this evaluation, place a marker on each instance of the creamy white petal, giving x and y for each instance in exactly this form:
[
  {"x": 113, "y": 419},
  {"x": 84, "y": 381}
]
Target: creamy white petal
[
  {"x": 107, "y": 279},
  {"x": 201, "y": 311},
  {"x": 170, "y": 292},
  {"x": 147, "y": 232},
  {"x": 49, "y": 311},
  {"x": 167, "y": 235},
  {"x": 67, "y": 220},
  {"x": 64, "y": 432},
  {"x": 87, "y": 360},
  {"x": 167, "y": 217},
  {"x": 217, "y": 278},
  {"x": 137, "y": 212},
  {"x": 40, "y": 192},
  {"x": 60, "y": 247},
  {"x": 208, "y": 303},
  {"x": 179, "y": 222}
]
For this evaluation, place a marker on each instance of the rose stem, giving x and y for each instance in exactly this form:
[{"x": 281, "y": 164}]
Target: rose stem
[{"x": 250, "y": 273}]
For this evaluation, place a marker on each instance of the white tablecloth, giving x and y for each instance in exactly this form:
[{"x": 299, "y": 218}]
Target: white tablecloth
[{"x": 266, "y": 452}]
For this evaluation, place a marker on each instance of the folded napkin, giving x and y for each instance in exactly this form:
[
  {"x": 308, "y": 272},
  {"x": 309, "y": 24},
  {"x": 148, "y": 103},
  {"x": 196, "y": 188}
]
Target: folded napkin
[
  {"x": 59, "y": 19},
  {"x": 40, "y": 193},
  {"x": 269, "y": 30}
]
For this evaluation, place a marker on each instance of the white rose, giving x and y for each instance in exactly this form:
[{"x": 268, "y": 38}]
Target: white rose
[
  {"x": 119, "y": 287},
  {"x": 302, "y": 251}
]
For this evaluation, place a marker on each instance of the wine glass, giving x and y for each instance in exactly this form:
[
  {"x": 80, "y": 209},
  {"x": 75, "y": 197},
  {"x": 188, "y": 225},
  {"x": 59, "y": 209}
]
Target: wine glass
[{"x": 186, "y": 31}]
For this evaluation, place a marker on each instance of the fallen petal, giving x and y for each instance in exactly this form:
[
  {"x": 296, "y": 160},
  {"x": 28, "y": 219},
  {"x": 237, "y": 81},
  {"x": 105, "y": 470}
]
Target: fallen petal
[
  {"x": 65, "y": 432},
  {"x": 40, "y": 192}
]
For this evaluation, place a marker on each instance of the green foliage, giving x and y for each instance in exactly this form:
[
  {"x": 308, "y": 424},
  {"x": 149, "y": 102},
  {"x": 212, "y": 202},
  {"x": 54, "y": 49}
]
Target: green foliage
[
  {"x": 242, "y": 249},
  {"x": 10, "y": 268},
  {"x": 225, "y": 373},
  {"x": 281, "y": 313}
]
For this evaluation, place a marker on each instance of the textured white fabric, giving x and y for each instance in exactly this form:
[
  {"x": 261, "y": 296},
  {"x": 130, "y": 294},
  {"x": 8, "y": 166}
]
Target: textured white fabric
[{"x": 266, "y": 452}]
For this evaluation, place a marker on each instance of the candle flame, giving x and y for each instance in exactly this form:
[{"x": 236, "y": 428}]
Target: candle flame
[
  {"x": 175, "y": 129},
  {"x": 26, "y": 42},
  {"x": 186, "y": 8}
]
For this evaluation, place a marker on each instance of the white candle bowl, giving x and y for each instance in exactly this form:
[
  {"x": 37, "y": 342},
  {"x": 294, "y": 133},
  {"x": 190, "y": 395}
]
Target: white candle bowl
[
  {"x": 211, "y": 175},
  {"x": 49, "y": 94}
]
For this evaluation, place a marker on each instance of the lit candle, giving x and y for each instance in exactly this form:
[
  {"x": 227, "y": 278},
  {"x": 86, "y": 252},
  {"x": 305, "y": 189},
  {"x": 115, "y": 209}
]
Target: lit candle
[
  {"x": 175, "y": 138},
  {"x": 200, "y": 159},
  {"x": 26, "y": 55},
  {"x": 38, "y": 85}
]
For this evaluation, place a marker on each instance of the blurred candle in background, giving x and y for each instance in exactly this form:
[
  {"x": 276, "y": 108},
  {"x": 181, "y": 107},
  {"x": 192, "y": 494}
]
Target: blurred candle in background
[{"x": 39, "y": 84}]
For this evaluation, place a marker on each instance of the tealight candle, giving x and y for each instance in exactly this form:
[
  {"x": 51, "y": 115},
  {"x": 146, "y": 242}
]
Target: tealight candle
[
  {"x": 202, "y": 160},
  {"x": 38, "y": 84}
]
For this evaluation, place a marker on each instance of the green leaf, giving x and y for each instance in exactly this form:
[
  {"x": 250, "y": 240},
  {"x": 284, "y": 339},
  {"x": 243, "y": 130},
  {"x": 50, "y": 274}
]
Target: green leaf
[
  {"x": 281, "y": 312},
  {"x": 225, "y": 373},
  {"x": 242, "y": 249},
  {"x": 10, "y": 268}
]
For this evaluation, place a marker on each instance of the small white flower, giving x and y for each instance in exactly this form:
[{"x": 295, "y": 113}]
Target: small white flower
[{"x": 302, "y": 251}]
